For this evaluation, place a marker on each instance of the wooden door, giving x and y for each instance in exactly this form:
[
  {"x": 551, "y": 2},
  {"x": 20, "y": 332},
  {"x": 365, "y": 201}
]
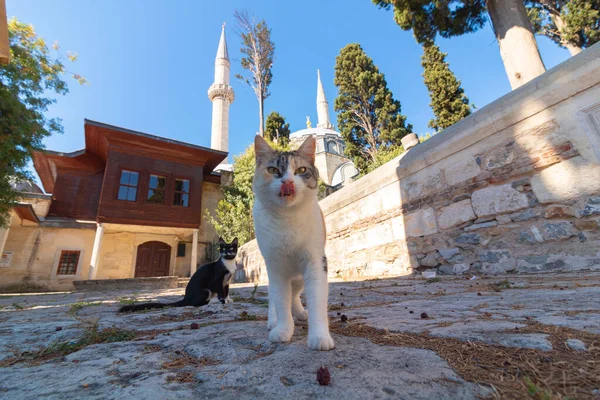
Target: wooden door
[{"x": 152, "y": 259}]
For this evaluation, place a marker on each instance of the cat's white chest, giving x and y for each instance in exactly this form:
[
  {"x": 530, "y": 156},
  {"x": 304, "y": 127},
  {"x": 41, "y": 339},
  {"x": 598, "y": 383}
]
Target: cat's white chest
[
  {"x": 288, "y": 237},
  {"x": 230, "y": 265}
]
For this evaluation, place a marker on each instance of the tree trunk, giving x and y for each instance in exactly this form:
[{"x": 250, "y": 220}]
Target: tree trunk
[
  {"x": 560, "y": 25},
  {"x": 518, "y": 48},
  {"x": 261, "y": 111}
]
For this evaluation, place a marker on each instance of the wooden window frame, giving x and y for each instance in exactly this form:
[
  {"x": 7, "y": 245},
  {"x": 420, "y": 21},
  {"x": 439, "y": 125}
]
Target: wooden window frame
[
  {"x": 137, "y": 187},
  {"x": 165, "y": 189},
  {"x": 175, "y": 191},
  {"x": 57, "y": 260}
]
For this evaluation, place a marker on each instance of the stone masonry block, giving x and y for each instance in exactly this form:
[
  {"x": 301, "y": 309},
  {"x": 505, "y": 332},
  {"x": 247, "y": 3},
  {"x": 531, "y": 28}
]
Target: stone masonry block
[
  {"x": 462, "y": 172},
  {"x": 567, "y": 180},
  {"x": 455, "y": 214},
  {"x": 420, "y": 223},
  {"x": 498, "y": 199}
]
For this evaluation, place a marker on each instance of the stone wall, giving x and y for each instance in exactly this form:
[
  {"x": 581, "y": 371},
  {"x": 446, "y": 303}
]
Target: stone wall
[
  {"x": 515, "y": 187},
  {"x": 35, "y": 252}
]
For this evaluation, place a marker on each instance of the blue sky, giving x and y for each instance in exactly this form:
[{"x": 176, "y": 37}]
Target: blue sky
[{"x": 150, "y": 62}]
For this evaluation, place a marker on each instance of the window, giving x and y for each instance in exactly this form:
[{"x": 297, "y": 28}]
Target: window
[
  {"x": 67, "y": 264},
  {"x": 182, "y": 192},
  {"x": 156, "y": 189},
  {"x": 181, "y": 250},
  {"x": 332, "y": 147},
  {"x": 128, "y": 186}
]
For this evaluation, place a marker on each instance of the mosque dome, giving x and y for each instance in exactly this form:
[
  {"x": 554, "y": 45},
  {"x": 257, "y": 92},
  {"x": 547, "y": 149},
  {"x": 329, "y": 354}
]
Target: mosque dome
[{"x": 319, "y": 131}]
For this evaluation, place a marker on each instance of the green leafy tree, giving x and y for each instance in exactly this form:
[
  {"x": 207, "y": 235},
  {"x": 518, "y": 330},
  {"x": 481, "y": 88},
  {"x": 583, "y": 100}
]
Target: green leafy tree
[
  {"x": 233, "y": 215},
  {"x": 277, "y": 128},
  {"x": 323, "y": 189},
  {"x": 384, "y": 156},
  {"x": 369, "y": 118},
  {"x": 425, "y": 137},
  {"x": 449, "y": 18},
  {"x": 259, "y": 51},
  {"x": 448, "y": 100},
  {"x": 573, "y": 24},
  {"x": 27, "y": 84}
]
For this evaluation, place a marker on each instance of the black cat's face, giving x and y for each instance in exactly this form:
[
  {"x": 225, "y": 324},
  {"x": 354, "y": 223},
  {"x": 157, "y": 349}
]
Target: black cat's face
[{"x": 228, "y": 250}]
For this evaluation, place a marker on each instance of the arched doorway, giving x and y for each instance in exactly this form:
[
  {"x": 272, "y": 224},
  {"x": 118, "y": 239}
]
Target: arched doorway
[{"x": 152, "y": 259}]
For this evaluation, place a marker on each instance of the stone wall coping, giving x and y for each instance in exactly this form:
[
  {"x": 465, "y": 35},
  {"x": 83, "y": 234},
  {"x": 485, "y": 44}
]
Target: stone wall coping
[{"x": 565, "y": 80}]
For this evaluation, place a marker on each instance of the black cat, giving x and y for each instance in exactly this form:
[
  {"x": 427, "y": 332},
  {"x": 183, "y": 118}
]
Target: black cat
[{"x": 209, "y": 281}]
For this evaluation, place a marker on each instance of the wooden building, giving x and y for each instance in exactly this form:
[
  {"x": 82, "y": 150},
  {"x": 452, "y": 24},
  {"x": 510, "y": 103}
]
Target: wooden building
[{"x": 127, "y": 205}]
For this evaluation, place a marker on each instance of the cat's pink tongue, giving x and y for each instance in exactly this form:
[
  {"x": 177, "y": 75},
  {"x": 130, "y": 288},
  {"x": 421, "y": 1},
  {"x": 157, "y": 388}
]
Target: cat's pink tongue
[{"x": 287, "y": 189}]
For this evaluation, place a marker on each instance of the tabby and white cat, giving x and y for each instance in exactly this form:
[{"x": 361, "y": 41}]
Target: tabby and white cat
[{"x": 290, "y": 231}]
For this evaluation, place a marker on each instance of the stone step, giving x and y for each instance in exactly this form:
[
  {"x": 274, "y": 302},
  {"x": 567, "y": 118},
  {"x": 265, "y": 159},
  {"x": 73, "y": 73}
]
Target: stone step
[{"x": 182, "y": 282}]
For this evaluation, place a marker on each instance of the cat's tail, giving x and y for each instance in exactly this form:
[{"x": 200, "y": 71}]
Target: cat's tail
[{"x": 149, "y": 306}]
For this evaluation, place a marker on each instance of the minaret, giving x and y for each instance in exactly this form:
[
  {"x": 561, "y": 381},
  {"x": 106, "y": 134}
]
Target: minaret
[
  {"x": 322, "y": 106},
  {"x": 221, "y": 95}
]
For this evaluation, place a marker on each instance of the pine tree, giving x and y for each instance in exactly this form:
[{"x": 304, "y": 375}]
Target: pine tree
[
  {"x": 449, "y": 18},
  {"x": 573, "y": 24},
  {"x": 368, "y": 116},
  {"x": 277, "y": 128},
  {"x": 448, "y": 100}
]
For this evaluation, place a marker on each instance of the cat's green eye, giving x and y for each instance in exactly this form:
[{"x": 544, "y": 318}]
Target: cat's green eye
[
  {"x": 300, "y": 171},
  {"x": 273, "y": 171}
]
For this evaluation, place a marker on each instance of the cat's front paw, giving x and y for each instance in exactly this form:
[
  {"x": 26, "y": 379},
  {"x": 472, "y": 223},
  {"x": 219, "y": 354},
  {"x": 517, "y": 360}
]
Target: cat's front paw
[
  {"x": 271, "y": 323},
  {"x": 280, "y": 335},
  {"x": 228, "y": 300},
  {"x": 301, "y": 316},
  {"x": 321, "y": 342}
]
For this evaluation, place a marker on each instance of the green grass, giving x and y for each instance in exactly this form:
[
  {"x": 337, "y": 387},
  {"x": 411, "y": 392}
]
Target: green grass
[
  {"x": 17, "y": 306},
  {"x": 61, "y": 348},
  {"x": 128, "y": 301},
  {"x": 244, "y": 316},
  {"x": 254, "y": 291},
  {"x": 433, "y": 280},
  {"x": 535, "y": 392},
  {"x": 498, "y": 286},
  {"x": 75, "y": 307}
]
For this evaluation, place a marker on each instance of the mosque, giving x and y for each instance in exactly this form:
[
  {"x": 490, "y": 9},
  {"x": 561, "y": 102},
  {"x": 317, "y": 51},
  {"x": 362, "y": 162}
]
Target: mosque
[{"x": 334, "y": 167}]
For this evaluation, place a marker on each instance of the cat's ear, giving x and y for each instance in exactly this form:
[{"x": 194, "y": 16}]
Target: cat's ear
[
  {"x": 307, "y": 150},
  {"x": 235, "y": 242},
  {"x": 221, "y": 241},
  {"x": 262, "y": 149}
]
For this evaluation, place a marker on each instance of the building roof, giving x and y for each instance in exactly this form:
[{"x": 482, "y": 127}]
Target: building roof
[
  {"x": 99, "y": 137},
  {"x": 25, "y": 211}
]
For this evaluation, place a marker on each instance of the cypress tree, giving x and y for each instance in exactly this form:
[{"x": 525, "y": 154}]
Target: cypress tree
[
  {"x": 277, "y": 128},
  {"x": 369, "y": 118},
  {"x": 448, "y": 100}
]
